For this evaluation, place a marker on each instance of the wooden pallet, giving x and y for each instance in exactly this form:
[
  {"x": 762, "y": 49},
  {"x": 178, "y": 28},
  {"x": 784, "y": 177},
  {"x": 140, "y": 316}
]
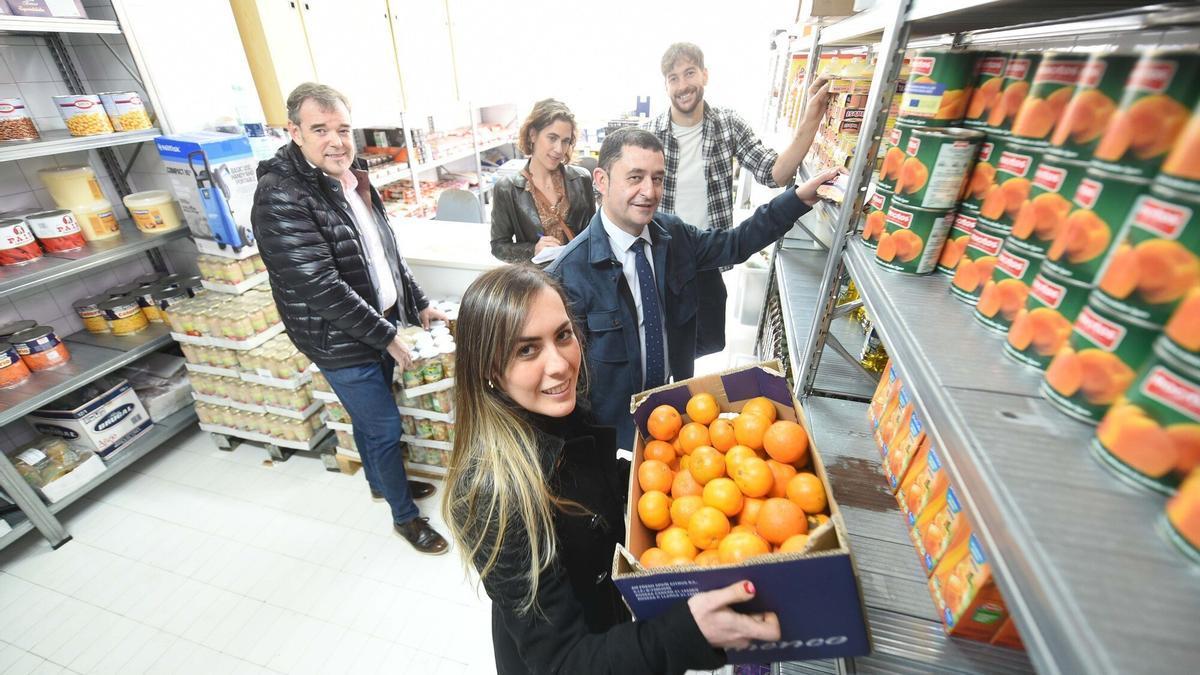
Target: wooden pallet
[{"x": 323, "y": 450}]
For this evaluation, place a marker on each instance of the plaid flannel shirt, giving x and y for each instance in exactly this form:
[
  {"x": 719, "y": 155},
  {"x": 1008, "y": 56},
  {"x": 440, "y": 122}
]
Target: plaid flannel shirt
[{"x": 725, "y": 136}]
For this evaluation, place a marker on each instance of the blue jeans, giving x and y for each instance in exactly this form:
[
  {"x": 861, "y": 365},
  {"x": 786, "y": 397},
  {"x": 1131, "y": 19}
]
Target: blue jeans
[{"x": 366, "y": 393}]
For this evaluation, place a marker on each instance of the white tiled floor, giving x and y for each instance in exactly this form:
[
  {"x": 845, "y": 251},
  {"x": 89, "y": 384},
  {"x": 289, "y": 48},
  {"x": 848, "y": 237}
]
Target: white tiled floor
[{"x": 200, "y": 561}]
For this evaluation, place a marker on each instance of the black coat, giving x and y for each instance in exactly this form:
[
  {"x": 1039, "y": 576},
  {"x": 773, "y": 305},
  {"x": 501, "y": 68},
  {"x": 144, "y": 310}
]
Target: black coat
[
  {"x": 515, "y": 215},
  {"x": 582, "y": 625},
  {"x": 318, "y": 266}
]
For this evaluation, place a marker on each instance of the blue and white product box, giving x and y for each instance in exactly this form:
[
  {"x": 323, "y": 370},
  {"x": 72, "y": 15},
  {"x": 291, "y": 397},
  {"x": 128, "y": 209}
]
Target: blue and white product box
[
  {"x": 815, "y": 593},
  {"x": 103, "y": 424},
  {"x": 213, "y": 175}
]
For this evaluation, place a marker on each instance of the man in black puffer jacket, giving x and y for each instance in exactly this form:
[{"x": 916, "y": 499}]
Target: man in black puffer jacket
[{"x": 341, "y": 287}]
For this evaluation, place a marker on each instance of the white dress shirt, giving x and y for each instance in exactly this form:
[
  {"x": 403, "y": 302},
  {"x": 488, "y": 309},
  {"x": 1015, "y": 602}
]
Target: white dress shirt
[{"x": 623, "y": 248}]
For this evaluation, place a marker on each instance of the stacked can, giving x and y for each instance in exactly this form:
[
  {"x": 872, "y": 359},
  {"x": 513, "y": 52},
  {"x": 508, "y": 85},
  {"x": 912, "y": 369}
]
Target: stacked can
[
  {"x": 1182, "y": 522},
  {"x": 875, "y": 212}
]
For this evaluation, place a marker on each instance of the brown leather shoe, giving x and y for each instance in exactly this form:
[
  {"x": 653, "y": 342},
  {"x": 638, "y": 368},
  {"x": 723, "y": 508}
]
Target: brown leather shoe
[
  {"x": 422, "y": 537},
  {"x": 420, "y": 489}
]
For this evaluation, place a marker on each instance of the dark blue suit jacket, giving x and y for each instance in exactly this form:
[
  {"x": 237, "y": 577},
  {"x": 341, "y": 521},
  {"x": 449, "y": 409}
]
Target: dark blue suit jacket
[{"x": 603, "y": 306}]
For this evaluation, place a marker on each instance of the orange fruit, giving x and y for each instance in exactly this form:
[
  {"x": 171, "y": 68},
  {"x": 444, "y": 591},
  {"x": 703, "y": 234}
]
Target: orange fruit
[
  {"x": 794, "y": 544},
  {"x": 703, "y": 408},
  {"x": 664, "y": 422},
  {"x": 753, "y": 477},
  {"x": 720, "y": 434},
  {"x": 654, "y": 508},
  {"x": 654, "y": 557},
  {"x": 816, "y": 521},
  {"x": 779, "y": 519},
  {"x": 750, "y": 509},
  {"x": 739, "y": 546},
  {"x": 761, "y": 406},
  {"x": 675, "y": 543},
  {"x": 743, "y": 528},
  {"x": 708, "y": 558},
  {"x": 681, "y": 560},
  {"x": 787, "y": 442},
  {"x": 660, "y": 450},
  {"x": 654, "y": 475},
  {"x": 692, "y": 436},
  {"x": 678, "y": 448},
  {"x": 735, "y": 455},
  {"x": 749, "y": 428},
  {"x": 658, "y": 537},
  {"x": 706, "y": 464},
  {"x": 723, "y": 494},
  {"x": 684, "y": 485},
  {"x": 806, "y": 491},
  {"x": 683, "y": 508},
  {"x": 683, "y": 462},
  {"x": 782, "y": 473},
  {"x": 707, "y": 528}
]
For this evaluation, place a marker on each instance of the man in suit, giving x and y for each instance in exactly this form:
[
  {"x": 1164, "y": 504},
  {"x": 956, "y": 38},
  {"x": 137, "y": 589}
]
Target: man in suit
[{"x": 631, "y": 275}]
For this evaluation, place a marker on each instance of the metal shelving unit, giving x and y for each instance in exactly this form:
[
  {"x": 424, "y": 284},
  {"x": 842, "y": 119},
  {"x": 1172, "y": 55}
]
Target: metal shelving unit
[
  {"x": 1090, "y": 583},
  {"x": 56, "y": 141},
  {"x": 38, "y": 24}
]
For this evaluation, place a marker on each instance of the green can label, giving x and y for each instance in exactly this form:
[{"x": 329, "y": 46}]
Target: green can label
[
  {"x": 1018, "y": 80},
  {"x": 1181, "y": 170},
  {"x": 935, "y": 167},
  {"x": 873, "y": 222},
  {"x": 893, "y": 159},
  {"x": 1102, "y": 205},
  {"x": 985, "y": 93},
  {"x": 956, "y": 243},
  {"x": 1151, "y": 436},
  {"x": 935, "y": 94},
  {"x": 1098, "y": 364},
  {"x": 1052, "y": 87},
  {"x": 1101, "y": 85},
  {"x": 1041, "y": 218},
  {"x": 1157, "y": 103},
  {"x": 1044, "y": 326},
  {"x": 1005, "y": 294},
  {"x": 975, "y": 267},
  {"x": 983, "y": 176},
  {"x": 1011, "y": 185},
  {"x": 1155, "y": 264},
  {"x": 912, "y": 240}
]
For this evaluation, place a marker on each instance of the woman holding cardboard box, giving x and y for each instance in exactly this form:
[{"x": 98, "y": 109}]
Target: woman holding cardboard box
[{"x": 534, "y": 503}]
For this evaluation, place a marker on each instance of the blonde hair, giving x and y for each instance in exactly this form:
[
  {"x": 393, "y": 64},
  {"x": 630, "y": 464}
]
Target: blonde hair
[
  {"x": 496, "y": 490},
  {"x": 544, "y": 113}
]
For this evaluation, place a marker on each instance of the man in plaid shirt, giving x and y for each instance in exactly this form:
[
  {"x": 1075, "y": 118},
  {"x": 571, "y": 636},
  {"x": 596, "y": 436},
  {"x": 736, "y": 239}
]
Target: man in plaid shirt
[{"x": 700, "y": 142}]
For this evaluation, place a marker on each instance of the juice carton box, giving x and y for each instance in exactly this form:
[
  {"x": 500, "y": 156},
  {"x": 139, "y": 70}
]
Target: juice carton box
[
  {"x": 925, "y": 480},
  {"x": 940, "y": 527},
  {"x": 965, "y": 594}
]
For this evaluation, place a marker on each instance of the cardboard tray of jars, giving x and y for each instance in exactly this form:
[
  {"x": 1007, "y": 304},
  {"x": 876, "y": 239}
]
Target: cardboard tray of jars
[
  {"x": 256, "y": 378},
  {"x": 235, "y": 289},
  {"x": 254, "y": 407},
  {"x": 249, "y": 343},
  {"x": 311, "y": 444}
]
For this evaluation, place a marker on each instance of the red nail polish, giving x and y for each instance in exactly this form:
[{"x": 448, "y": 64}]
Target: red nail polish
[{"x": 749, "y": 587}]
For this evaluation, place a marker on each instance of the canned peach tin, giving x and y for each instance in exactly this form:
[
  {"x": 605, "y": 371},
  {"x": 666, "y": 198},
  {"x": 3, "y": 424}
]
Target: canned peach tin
[
  {"x": 873, "y": 222},
  {"x": 981, "y": 178},
  {"x": 1151, "y": 437},
  {"x": 84, "y": 114},
  {"x": 1182, "y": 332},
  {"x": 938, "y": 85},
  {"x": 976, "y": 264},
  {"x": 1183, "y": 517},
  {"x": 1099, "y": 90},
  {"x": 1005, "y": 294},
  {"x": 1012, "y": 182},
  {"x": 1053, "y": 84},
  {"x": 1019, "y": 70},
  {"x": 912, "y": 239},
  {"x": 956, "y": 243},
  {"x": 1044, "y": 326},
  {"x": 16, "y": 123},
  {"x": 1040, "y": 218},
  {"x": 1098, "y": 364},
  {"x": 1181, "y": 170},
  {"x": 936, "y": 165},
  {"x": 1102, "y": 204},
  {"x": 985, "y": 94}
]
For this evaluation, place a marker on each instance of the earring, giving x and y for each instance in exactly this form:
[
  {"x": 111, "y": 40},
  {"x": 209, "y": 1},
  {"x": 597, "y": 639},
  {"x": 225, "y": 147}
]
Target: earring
[{"x": 490, "y": 385}]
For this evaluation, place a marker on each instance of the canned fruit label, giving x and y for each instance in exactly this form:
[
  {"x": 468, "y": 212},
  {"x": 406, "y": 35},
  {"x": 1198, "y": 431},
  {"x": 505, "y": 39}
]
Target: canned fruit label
[
  {"x": 1102, "y": 205},
  {"x": 989, "y": 80},
  {"x": 983, "y": 176},
  {"x": 1155, "y": 264},
  {"x": 1040, "y": 218},
  {"x": 1155, "y": 107},
  {"x": 1011, "y": 185},
  {"x": 1181, "y": 169},
  {"x": 1098, "y": 364},
  {"x": 1152, "y": 436},
  {"x": 894, "y": 157},
  {"x": 1005, "y": 294},
  {"x": 84, "y": 115},
  {"x": 937, "y": 88},
  {"x": 1040, "y": 330},
  {"x": 873, "y": 223},
  {"x": 1053, "y": 85},
  {"x": 1014, "y": 87},
  {"x": 1183, "y": 517},
  {"x": 1182, "y": 331},
  {"x": 912, "y": 239},
  {"x": 936, "y": 166},
  {"x": 977, "y": 263},
  {"x": 1083, "y": 121},
  {"x": 956, "y": 243}
]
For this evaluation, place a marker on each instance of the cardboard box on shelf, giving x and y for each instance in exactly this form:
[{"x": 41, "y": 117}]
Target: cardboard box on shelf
[
  {"x": 103, "y": 417},
  {"x": 925, "y": 480},
  {"x": 965, "y": 594},
  {"x": 61, "y": 9},
  {"x": 1007, "y": 636},
  {"x": 58, "y": 489},
  {"x": 815, "y": 593},
  {"x": 941, "y": 526}
]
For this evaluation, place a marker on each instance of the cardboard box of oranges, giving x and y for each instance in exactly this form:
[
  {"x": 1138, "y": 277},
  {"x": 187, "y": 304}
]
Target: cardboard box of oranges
[{"x": 726, "y": 486}]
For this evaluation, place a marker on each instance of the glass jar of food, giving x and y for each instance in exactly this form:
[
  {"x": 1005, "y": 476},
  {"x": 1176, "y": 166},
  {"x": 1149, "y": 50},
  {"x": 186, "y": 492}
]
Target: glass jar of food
[
  {"x": 414, "y": 374},
  {"x": 408, "y": 424},
  {"x": 431, "y": 369},
  {"x": 439, "y": 431},
  {"x": 424, "y": 427},
  {"x": 448, "y": 356}
]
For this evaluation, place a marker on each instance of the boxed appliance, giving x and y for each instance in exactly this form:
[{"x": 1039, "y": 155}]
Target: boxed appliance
[
  {"x": 214, "y": 176},
  {"x": 103, "y": 417},
  {"x": 815, "y": 592}
]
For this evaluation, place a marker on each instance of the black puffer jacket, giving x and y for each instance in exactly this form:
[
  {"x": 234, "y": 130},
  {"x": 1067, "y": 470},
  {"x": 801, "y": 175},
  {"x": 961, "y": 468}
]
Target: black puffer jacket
[{"x": 318, "y": 266}]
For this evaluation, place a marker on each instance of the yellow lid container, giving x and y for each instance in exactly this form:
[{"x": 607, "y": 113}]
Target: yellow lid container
[
  {"x": 153, "y": 211},
  {"x": 97, "y": 220},
  {"x": 71, "y": 185}
]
